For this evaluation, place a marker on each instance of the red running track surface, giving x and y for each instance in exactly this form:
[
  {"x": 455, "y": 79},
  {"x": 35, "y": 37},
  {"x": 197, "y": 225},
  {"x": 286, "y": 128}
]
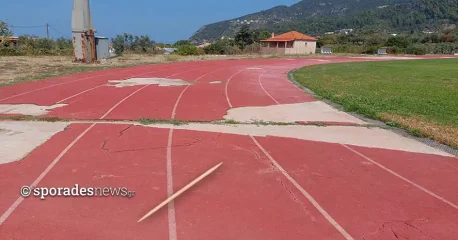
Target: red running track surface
[{"x": 268, "y": 187}]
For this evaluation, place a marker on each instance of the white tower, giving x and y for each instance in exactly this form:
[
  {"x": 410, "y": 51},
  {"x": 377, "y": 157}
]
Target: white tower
[{"x": 83, "y": 32}]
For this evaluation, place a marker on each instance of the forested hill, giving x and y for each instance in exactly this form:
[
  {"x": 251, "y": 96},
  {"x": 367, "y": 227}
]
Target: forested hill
[{"x": 316, "y": 17}]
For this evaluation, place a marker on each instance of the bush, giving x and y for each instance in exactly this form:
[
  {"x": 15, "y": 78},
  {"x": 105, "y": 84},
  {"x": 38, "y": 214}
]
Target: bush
[
  {"x": 417, "y": 49},
  {"x": 8, "y": 51},
  {"x": 216, "y": 48},
  {"x": 254, "y": 48},
  {"x": 445, "y": 48},
  {"x": 187, "y": 50}
]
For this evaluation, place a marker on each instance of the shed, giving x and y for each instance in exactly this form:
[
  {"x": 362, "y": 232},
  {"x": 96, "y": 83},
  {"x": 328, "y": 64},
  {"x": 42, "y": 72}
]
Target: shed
[
  {"x": 169, "y": 50},
  {"x": 289, "y": 43},
  {"x": 102, "y": 48},
  {"x": 382, "y": 51},
  {"x": 326, "y": 49}
]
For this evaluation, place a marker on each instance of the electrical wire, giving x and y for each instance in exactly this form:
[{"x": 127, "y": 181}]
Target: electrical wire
[{"x": 63, "y": 35}]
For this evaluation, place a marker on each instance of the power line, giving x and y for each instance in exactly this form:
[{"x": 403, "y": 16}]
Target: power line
[
  {"x": 39, "y": 26},
  {"x": 63, "y": 35}
]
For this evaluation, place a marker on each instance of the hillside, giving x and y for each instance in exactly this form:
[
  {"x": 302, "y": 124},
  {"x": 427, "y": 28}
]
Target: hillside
[{"x": 315, "y": 17}]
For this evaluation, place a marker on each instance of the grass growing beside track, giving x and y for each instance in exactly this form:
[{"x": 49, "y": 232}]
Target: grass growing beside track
[{"x": 418, "y": 95}]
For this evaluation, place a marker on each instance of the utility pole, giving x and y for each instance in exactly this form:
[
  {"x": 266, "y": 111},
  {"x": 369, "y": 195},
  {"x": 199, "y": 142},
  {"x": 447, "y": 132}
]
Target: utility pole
[
  {"x": 83, "y": 32},
  {"x": 47, "y": 31}
]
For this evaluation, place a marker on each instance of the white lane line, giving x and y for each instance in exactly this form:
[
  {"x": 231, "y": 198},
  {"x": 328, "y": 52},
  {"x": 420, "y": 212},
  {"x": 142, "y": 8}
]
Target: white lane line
[
  {"x": 83, "y": 92},
  {"x": 171, "y": 205},
  {"x": 138, "y": 90},
  {"x": 184, "y": 90},
  {"x": 262, "y": 86},
  {"x": 226, "y": 87},
  {"x": 88, "y": 90},
  {"x": 18, "y": 201},
  {"x": 124, "y": 99},
  {"x": 43, "y": 174},
  {"x": 77, "y": 80},
  {"x": 403, "y": 178},
  {"x": 305, "y": 193},
  {"x": 43, "y": 88}
]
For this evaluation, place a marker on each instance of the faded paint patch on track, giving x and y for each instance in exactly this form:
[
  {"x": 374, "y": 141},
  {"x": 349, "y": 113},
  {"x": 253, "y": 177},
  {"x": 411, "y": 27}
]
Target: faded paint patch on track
[
  {"x": 161, "y": 82},
  {"x": 27, "y": 109},
  {"x": 290, "y": 113},
  {"x": 18, "y": 139}
]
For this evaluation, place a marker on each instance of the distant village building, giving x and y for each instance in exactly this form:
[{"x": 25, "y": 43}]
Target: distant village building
[
  {"x": 204, "y": 45},
  {"x": 345, "y": 31},
  {"x": 290, "y": 43},
  {"x": 13, "y": 40},
  {"x": 382, "y": 51},
  {"x": 326, "y": 49}
]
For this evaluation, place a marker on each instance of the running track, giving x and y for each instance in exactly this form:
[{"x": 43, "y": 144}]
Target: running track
[{"x": 268, "y": 188}]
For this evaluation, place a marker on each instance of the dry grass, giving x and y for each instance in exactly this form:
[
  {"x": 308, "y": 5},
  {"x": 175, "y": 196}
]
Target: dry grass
[{"x": 440, "y": 133}]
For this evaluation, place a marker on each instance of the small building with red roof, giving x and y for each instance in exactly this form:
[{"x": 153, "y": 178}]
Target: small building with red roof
[{"x": 290, "y": 43}]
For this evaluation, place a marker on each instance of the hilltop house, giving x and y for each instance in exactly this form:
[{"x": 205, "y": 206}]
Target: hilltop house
[{"x": 290, "y": 43}]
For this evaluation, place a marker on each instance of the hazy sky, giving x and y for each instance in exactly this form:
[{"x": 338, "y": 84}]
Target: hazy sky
[{"x": 164, "y": 21}]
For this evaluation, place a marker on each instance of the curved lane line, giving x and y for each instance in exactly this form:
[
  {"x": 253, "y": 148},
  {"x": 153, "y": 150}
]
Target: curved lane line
[
  {"x": 402, "y": 178},
  {"x": 171, "y": 205},
  {"x": 262, "y": 86},
  {"x": 305, "y": 193}
]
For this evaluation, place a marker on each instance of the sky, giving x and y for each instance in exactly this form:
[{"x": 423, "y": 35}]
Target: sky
[{"x": 164, "y": 21}]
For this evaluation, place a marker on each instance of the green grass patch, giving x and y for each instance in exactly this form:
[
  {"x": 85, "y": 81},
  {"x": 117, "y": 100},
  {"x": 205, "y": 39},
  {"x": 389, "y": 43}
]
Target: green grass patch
[
  {"x": 152, "y": 121},
  {"x": 420, "y": 95}
]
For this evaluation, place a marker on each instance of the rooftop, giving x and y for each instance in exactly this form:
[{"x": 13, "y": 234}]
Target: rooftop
[{"x": 290, "y": 36}]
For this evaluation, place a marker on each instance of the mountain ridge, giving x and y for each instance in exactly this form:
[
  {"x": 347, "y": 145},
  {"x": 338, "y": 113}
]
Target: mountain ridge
[{"x": 319, "y": 16}]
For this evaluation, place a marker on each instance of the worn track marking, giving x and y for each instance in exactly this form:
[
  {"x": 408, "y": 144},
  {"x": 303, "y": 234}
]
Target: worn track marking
[
  {"x": 305, "y": 193},
  {"x": 83, "y": 92},
  {"x": 88, "y": 90},
  {"x": 19, "y": 200},
  {"x": 43, "y": 174},
  {"x": 402, "y": 178},
  {"x": 262, "y": 86},
  {"x": 60, "y": 84},
  {"x": 171, "y": 205},
  {"x": 138, "y": 90},
  {"x": 227, "y": 84}
]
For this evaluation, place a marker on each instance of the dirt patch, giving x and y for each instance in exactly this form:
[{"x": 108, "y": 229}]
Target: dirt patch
[
  {"x": 161, "y": 82},
  {"x": 17, "y": 139},
  {"x": 27, "y": 109},
  {"x": 356, "y": 136},
  {"x": 439, "y": 133},
  {"x": 291, "y": 113}
]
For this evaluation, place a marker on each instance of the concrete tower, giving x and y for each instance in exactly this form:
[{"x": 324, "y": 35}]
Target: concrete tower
[{"x": 83, "y": 32}]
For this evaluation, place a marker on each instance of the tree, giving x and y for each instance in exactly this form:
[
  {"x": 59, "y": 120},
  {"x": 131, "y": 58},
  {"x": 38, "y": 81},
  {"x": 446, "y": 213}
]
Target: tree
[
  {"x": 142, "y": 44},
  {"x": 5, "y": 32},
  {"x": 119, "y": 44},
  {"x": 5, "y": 29},
  {"x": 243, "y": 37},
  {"x": 182, "y": 43},
  {"x": 216, "y": 48},
  {"x": 260, "y": 35},
  {"x": 187, "y": 50}
]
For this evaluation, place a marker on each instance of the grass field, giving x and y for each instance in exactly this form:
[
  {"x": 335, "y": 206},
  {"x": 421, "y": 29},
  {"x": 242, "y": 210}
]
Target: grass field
[{"x": 418, "y": 95}]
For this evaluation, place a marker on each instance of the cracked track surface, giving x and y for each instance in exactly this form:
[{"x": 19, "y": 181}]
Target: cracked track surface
[{"x": 277, "y": 182}]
